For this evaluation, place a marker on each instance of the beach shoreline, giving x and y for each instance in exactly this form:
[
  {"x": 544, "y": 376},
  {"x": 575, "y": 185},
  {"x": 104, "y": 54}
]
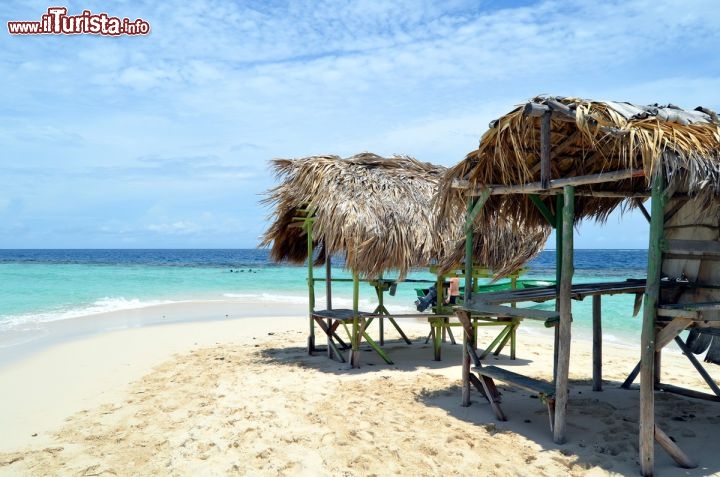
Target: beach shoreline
[{"x": 217, "y": 396}]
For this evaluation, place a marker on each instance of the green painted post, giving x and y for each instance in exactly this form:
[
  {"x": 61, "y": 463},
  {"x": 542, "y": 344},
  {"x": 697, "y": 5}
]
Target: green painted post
[
  {"x": 473, "y": 208},
  {"x": 355, "y": 352},
  {"x": 560, "y": 203},
  {"x": 647, "y": 339},
  {"x": 468, "y": 251},
  {"x": 559, "y": 208}
]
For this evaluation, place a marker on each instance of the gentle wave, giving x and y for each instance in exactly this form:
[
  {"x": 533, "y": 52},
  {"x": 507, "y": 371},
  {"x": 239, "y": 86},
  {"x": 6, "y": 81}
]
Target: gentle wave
[{"x": 104, "y": 305}]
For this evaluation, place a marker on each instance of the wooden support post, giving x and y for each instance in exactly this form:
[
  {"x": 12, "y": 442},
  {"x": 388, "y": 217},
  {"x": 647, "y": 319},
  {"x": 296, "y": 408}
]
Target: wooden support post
[
  {"x": 311, "y": 284},
  {"x": 468, "y": 340},
  {"x": 381, "y": 306},
  {"x": 647, "y": 340},
  {"x": 559, "y": 206},
  {"x": 474, "y": 207},
  {"x": 564, "y": 335},
  {"x": 355, "y": 344},
  {"x": 545, "y": 142},
  {"x": 328, "y": 281},
  {"x": 328, "y": 304},
  {"x": 597, "y": 342}
]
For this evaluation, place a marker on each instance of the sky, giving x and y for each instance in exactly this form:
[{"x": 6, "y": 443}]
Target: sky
[{"x": 164, "y": 140}]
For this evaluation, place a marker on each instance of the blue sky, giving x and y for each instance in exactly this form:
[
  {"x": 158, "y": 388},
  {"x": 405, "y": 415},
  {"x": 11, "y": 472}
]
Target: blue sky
[{"x": 164, "y": 140}]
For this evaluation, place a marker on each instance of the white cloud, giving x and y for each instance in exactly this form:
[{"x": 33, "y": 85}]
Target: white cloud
[{"x": 219, "y": 88}]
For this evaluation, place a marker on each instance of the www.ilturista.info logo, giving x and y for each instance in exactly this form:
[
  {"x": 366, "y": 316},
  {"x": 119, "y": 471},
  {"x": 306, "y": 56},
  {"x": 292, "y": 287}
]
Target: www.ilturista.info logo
[{"x": 58, "y": 22}]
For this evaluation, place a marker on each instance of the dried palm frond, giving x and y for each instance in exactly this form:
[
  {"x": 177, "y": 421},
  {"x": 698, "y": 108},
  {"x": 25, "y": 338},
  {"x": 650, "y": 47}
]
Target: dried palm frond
[{"x": 377, "y": 213}]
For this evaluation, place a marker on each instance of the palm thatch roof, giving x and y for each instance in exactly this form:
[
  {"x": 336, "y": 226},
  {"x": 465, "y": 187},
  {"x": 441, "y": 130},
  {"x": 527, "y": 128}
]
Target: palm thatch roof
[
  {"x": 373, "y": 210},
  {"x": 377, "y": 213},
  {"x": 588, "y": 138}
]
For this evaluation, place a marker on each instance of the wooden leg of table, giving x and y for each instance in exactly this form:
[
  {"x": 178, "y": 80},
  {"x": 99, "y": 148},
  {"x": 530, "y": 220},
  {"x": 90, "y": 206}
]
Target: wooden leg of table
[
  {"x": 446, "y": 320},
  {"x": 399, "y": 330},
  {"x": 499, "y": 338},
  {"x": 373, "y": 344},
  {"x": 437, "y": 339},
  {"x": 468, "y": 339}
]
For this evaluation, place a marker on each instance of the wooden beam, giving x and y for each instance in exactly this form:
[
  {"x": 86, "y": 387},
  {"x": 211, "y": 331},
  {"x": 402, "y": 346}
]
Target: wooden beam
[
  {"x": 647, "y": 340},
  {"x": 540, "y": 205},
  {"x": 561, "y": 112},
  {"x": 642, "y": 209},
  {"x": 534, "y": 187},
  {"x": 611, "y": 194},
  {"x": 536, "y": 110},
  {"x": 671, "y": 448},
  {"x": 564, "y": 336},
  {"x": 698, "y": 366},
  {"x": 670, "y": 331},
  {"x": 473, "y": 209},
  {"x": 545, "y": 144}
]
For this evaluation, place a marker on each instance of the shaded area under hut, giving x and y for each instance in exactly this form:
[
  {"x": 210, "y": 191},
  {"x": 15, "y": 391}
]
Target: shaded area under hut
[
  {"x": 558, "y": 161},
  {"x": 376, "y": 213}
]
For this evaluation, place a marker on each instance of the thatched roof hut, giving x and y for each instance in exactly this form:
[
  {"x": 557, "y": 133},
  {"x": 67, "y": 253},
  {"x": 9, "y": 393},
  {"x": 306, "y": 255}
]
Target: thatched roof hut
[
  {"x": 559, "y": 160},
  {"x": 377, "y": 213},
  {"x": 587, "y": 138}
]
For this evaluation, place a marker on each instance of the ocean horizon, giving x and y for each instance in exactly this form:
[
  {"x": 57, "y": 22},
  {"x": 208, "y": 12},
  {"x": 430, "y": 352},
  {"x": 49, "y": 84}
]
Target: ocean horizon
[{"x": 51, "y": 285}]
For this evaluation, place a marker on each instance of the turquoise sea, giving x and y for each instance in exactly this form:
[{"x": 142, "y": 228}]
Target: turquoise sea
[{"x": 49, "y": 285}]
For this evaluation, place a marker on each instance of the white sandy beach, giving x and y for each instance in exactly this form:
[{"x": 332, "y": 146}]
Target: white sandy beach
[{"x": 240, "y": 396}]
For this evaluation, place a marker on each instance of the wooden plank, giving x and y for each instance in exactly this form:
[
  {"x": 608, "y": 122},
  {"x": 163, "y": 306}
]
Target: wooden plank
[
  {"x": 579, "y": 291},
  {"x": 510, "y": 312},
  {"x": 564, "y": 307},
  {"x": 647, "y": 339},
  {"x": 533, "y": 187},
  {"x": 692, "y": 247},
  {"x": 528, "y": 383},
  {"x": 698, "y": 306},
  {"x": 671, "y": 448},
  {"x": 673, "y": 313}
]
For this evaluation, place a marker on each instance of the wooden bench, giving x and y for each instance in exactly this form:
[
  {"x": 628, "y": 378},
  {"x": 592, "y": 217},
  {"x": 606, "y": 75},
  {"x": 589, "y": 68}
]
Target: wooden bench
[{"x": 544, "y": 390}]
